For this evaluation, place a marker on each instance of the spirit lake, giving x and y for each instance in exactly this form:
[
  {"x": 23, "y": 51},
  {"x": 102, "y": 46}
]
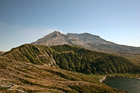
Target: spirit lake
[{"x": 129, "y": 84}]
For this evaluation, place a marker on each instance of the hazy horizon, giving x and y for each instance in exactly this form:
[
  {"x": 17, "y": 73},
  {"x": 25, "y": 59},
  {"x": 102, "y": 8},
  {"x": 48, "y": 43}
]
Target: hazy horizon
[{"x": 25, "y": 21}]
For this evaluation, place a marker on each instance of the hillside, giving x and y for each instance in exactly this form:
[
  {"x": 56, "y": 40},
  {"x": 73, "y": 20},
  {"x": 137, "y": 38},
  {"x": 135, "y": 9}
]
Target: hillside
[
  {"x": 72, "y": 58},
  {"x": 92, "y": 42},
  {"x": 19, "y": 77}
]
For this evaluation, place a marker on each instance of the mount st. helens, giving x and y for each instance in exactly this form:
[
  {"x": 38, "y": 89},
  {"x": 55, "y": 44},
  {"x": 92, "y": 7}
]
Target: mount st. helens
[{"x": 92, "y": 42}]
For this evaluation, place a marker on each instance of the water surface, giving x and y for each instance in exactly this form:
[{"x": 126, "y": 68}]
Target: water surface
[{"x": 128, "y": 84}]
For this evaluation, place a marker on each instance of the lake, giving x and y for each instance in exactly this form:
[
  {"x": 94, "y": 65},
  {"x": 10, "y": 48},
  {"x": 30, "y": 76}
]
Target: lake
[{"x": 128, "y": 84}]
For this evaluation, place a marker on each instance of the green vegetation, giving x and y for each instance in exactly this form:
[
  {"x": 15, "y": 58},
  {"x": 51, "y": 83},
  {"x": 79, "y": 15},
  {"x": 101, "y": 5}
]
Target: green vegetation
[{"x": 73, "y": 58}]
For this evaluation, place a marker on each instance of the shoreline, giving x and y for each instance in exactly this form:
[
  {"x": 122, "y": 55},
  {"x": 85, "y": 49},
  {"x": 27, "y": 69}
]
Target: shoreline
[{"x": 105, "y": 77}]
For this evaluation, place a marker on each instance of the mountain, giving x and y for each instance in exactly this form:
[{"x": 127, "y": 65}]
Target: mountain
[
  {"x": 57, "y": 38},
  {"x": 72, "y": 58},
  {"x": 24, "y": 77},
  {"x": 92, "y": 42}
]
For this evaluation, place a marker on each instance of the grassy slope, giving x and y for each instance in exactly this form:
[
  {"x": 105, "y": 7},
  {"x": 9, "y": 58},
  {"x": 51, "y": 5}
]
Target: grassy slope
[
  {"x": 73, "y": 58},
  {"x": 39, "y": 78}
]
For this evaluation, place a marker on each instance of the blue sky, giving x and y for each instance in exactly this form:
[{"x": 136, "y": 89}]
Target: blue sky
[{"x": 24, "y": 21}]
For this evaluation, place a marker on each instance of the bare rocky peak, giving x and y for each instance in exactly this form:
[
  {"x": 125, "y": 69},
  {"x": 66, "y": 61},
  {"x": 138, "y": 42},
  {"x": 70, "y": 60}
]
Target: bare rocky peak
[
  {"x": 54, "y": 34},
  {"x": 54, "y": 38},
  {"x": 58, "y": 38},
  {"x": 88, "y": 38}
]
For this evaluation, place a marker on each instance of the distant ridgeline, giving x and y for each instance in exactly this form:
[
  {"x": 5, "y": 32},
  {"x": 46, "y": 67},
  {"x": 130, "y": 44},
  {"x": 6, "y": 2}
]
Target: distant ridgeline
[
  {"x": 73, "y": 58},
  {"x": 92, "y": 42}
]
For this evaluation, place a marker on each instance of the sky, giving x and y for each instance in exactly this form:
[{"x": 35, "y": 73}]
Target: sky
[{"x": 25, "y": 21}]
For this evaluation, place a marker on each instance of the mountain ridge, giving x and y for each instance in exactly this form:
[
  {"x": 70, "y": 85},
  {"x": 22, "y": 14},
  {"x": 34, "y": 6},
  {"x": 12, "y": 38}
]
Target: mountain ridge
[
  {"x": 73, "y": 58},
  {"x": 57, "y": 33},
  {"x": 90, "y": 41},
  {"x": 68, "y": 36}
]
